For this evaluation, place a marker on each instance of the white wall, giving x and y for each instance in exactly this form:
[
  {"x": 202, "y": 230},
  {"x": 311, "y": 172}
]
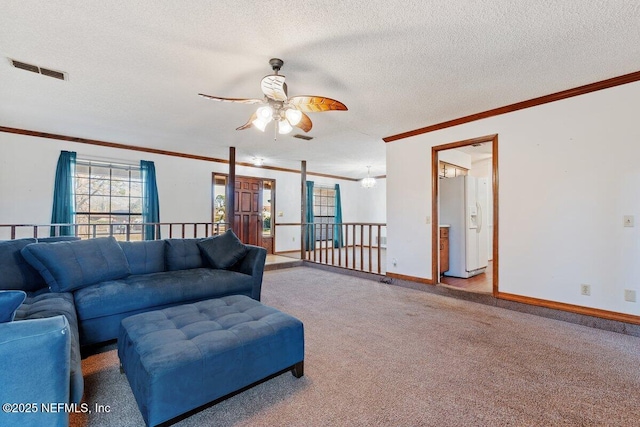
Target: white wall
[
  {"x": 568, "y": 172},
  {"x": 408, "y": 208},
  {"x": 27, "y": 171}
]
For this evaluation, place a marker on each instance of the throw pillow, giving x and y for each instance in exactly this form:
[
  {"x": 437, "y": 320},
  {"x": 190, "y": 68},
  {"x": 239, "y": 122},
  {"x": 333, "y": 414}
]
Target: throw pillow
[
  {"x": 224, "y": 250},
  {"x": 66, "y": 266},
  {"x": 17, "y": 274},
  {"x": 9, "y": 303}
]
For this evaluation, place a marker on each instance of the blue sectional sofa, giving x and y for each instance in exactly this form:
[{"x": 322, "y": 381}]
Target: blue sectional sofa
[{"x": 78, "y": 291}]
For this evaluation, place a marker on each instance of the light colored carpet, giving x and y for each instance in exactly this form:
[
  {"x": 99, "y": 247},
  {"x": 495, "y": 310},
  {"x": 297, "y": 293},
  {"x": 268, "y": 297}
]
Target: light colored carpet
[{"x": 380, "y": 355}]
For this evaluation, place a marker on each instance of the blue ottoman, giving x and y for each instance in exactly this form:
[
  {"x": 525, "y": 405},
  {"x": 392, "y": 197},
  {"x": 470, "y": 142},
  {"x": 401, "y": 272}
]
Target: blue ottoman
[{"x": 181, "y": 358}]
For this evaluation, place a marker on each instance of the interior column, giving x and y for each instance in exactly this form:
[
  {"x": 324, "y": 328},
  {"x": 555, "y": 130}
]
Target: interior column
[
  {"x": 231, "y": 187},
  {"x": 303, "y": 205}
]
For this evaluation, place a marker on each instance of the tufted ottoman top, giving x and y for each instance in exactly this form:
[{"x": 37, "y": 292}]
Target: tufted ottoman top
[
  {"x": 182, "y": 357},
  {"x": 201, "y": 326}
]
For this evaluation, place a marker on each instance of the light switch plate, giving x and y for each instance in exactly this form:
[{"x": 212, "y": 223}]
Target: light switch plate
[{"x": 629, "y": 221}]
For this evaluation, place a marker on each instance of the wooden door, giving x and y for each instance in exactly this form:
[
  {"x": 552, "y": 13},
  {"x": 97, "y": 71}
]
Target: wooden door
[{"x": 247, "y": 221}]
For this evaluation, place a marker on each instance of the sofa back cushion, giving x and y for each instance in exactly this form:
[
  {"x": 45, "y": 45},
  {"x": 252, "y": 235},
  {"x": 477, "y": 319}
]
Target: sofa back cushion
[
  {"x": 144, "y": 257},
  {"x": 66, "y": 266},
  {"x": 183, "y": 254},
  {"x": 57, "y": 239},
  {"x": 16, "y": 272},
  {"x": 224, "y": 250},
  {"x": 9, "y": 303}
]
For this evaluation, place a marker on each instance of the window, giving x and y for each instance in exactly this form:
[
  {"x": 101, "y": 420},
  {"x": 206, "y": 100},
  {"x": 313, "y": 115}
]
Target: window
[
  {"x": 267, "y": 207},
  {"x": 324, "y": 211},
  {"x": 107, "y": 197},
  {"x": 219, "y": 207}
]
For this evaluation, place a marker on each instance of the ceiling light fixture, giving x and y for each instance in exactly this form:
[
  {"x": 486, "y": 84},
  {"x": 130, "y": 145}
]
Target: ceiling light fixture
[
  {"x": 278, "y": 107},
  {"x": 258, "y": 161},
  {"x": 368, "y": 182}
]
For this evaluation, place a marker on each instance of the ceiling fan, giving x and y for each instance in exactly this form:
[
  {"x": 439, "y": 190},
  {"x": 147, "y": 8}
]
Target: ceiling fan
[{"x": 278, "y": 107}]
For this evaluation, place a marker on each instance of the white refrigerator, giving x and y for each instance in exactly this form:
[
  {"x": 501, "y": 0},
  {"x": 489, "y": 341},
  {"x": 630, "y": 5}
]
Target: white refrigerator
[{"x": 463, "y": 206}]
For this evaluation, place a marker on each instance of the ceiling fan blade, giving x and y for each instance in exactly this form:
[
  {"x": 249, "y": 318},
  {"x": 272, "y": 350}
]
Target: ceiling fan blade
[
  {"x": 274, "y": 87},
  {"x": 249, "y": 123},
  {"x": 304, "y": 123},
  {"x": 237, "y": 100},
  {"x": 315, "y": 104}
]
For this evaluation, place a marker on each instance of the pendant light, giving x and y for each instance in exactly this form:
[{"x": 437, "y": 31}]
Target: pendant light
[{"x": 368, "y": 182}]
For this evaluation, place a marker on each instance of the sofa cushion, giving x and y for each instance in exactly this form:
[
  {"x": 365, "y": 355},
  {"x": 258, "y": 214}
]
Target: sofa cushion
[
  {"x": 16, "y": 272},
  {"x": 66, "y": 266},
  {"x": 144, "y": 257},
  {"x": 182, "y": 254},
  {"x": 9, "y": 303},
  {"x": 57, "y": 239},
  {"x": 224, "y": 250},
  {"x": 147, "y": 291}
]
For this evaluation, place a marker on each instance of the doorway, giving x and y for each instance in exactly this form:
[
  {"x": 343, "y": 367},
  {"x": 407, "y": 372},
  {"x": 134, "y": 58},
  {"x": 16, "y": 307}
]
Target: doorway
[
  {"x": 247, "y": 221},
  {"x": 465, "y": 214},
  {"x": 254, "y": 200}
]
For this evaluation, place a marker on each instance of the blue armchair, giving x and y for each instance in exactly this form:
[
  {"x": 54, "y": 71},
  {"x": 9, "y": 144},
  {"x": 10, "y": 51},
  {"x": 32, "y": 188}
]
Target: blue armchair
[{"x": 36, "y": 362}]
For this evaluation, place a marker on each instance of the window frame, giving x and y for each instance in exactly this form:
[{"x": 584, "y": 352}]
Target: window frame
[
  {"x": 116, "y": 219},
  {"x": 324, "y": 199}
]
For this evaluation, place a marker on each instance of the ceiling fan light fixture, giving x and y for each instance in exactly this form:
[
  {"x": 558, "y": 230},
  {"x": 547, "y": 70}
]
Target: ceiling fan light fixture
[
  {"x": 277, "y": 106},
  {"x": 294, "y": 116},
  {"x": 260, "y": 124},
  {"x": 284, "y": 127},
  {"x": 265, "y": 113}
]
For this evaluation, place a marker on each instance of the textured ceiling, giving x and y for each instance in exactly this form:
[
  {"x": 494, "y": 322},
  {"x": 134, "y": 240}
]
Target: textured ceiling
[{"x": 135, "y": 68}]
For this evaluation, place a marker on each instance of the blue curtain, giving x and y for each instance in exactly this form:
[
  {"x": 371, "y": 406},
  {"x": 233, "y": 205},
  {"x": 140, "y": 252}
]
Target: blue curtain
[
  {"x": 150, "y": 202},
  {"x": 63, "y": 201},
  {"x": 310, "y": 241},
  {"x": 337, "y": 228}
]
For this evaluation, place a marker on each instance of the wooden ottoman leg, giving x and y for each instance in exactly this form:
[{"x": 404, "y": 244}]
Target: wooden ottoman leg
[{"x": 298, "y": 369}]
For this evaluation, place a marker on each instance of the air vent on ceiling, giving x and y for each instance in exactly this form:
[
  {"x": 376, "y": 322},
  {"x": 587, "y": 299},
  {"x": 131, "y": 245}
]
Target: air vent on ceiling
[
  {"x": 39, "y": 70},
  {"x": 305, "y": 137}
]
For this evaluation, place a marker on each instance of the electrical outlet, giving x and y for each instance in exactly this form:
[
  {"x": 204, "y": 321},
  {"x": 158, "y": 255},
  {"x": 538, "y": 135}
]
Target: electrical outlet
[
  {"x": 395, "y": 262},
  {"x": 293, "y": 239},
  {"x": 630, "y": 295},
  {"x": 428, "y": 220},
  {"x": 585, "y": 290},
  {"x": 280, "y": 214}
]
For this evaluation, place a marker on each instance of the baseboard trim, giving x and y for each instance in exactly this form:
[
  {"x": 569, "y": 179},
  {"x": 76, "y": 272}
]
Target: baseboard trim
[
  {"x": 411, "y": 278},
  {"x": 571, "y": 308},
  {"x": 591, "y": 317},
  {"x": 344, "y": 270}
]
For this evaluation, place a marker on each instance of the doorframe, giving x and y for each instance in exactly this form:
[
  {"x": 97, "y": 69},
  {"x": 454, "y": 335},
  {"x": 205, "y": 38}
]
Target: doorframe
[
  {"x": 226, "y": 193},
  {"x": 435, "y": 223}
]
